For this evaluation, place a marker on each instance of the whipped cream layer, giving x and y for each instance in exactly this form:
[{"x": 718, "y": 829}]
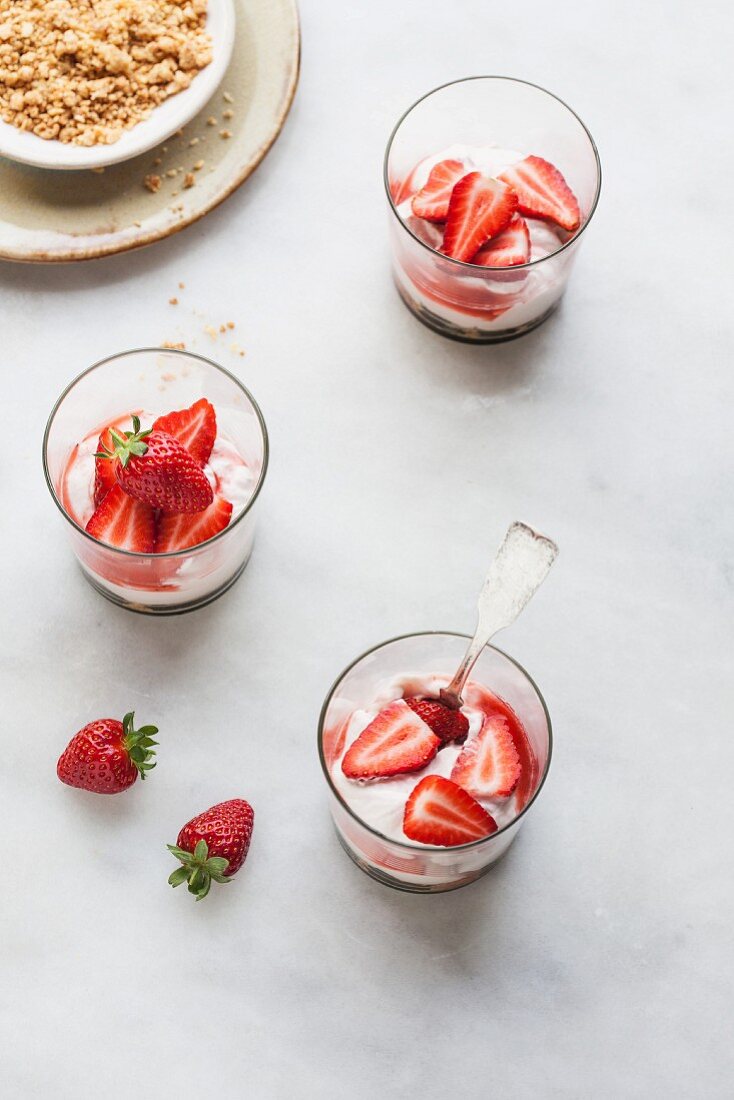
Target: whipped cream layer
[{"x": 380, "y": 803}]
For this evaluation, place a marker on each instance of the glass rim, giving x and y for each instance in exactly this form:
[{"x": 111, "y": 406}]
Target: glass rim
[
  {"x": 145, "y": 351},
  {"x": 461, "y": 264},
  {"x": 403, "y": 843}
]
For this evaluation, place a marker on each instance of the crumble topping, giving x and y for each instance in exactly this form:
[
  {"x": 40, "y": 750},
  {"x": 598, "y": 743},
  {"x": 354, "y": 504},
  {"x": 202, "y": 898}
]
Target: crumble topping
[{"x": 83, "y": 73}]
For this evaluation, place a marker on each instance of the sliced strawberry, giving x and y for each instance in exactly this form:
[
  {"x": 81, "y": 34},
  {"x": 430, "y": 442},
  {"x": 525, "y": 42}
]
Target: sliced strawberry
[
  {"x": 195, "y": 428},
  {"x": 448, "y": 724},
  {"x": 432, "y": 201},
  {"x": 488, "y": 765},
  {"x": 396, "y": 741},
  {"x": 510, "y": 248},
  {"x": 440, "y": 812},
  {"x": 542, "y": 192},
  {"x": 124, "y": 522},
  {"x": 479, "y": 208},
  {"x": 104, "y": 469},
  {"x": 179, "y": 532}
]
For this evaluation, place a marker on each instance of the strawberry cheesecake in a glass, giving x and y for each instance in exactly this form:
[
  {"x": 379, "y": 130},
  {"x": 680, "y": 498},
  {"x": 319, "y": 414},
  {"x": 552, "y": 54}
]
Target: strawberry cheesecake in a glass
[
  {"x": 425, "y": 798},
  {"x": 490, "y": 182},
  {"x": 156, "y": 458}
]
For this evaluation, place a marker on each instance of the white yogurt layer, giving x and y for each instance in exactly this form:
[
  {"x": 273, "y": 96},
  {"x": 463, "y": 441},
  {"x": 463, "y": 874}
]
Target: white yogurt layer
[{"x": 380, "y": 803}]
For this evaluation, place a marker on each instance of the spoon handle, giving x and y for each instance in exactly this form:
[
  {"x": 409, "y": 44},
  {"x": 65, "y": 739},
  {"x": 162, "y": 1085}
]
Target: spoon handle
[{"x": 519, "y": 568}]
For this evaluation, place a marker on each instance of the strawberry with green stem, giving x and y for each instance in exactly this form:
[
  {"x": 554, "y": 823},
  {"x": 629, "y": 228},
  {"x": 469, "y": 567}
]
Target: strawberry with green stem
[
  {"x": 107, "y": 755},
  {"x": 213, "y": 846},
  {"x": 155, "y": 468}
]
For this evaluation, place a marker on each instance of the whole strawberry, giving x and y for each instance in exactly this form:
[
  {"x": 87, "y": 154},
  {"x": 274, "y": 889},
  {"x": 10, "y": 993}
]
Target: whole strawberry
[
  {"x": 449, "y": 725},
  {"x": 154, "y": 467},
  {"x": 107, "y": 756},
  {"x": 213, "y": 845}
]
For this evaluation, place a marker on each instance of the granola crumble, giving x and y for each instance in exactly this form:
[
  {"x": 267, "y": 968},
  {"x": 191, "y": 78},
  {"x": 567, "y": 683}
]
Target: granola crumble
[{"x": 85, "y": 73}]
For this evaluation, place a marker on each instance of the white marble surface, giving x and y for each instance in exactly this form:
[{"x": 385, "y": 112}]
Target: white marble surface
[{"x": 595, "y": 962}]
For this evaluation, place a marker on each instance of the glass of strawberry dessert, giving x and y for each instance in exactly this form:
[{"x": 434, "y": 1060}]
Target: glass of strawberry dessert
[
  {"x": 425, "y": 798},
  {"x": 490, "y": 182},
  {"x": 156, "y": 458}
]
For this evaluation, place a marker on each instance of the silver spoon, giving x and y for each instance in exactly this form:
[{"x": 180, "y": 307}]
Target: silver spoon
[{"x": 517, "y": 572}]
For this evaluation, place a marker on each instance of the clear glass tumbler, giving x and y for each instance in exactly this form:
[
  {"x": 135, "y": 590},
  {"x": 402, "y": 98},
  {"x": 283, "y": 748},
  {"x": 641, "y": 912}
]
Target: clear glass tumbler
[
  {"x": 409, "y": 866},
  {"x": 158, "y": 381},
  {"x": 462, "y": 300}
]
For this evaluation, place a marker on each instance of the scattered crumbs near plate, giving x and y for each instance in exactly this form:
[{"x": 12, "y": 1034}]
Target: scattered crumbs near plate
[
  {"x": 210, "y": 331},
  {"x": 189, "y": 180},
  {"x": 174, "y": 345},
  {"x": 137, "y": 224},
  {"x": 152, "y": 183},
  {"x": 97, "y": 171},
  {"x": 168, "y": 376},
  {"x": 222, "y": 328},
  {"x": 199, "y": 165},
  {"x": 225, "y": 134},
  {"x": 182, "y": 286},
  {"x": 211, "y": 121},
  {"x": 227, "y": 97},
  {"x": 172, "y": 173},
  {"x": 157, "y": 162},
  {"x": 194, "y": 141},
  {"x": 230, "y": 324},
  {"x": 228, "y": 114},
  {"x": 173, "y": 301}
]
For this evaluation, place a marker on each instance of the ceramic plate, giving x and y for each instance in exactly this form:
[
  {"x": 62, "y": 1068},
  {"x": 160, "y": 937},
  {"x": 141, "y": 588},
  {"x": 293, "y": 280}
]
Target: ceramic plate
[{"x": 52, "y": 216}]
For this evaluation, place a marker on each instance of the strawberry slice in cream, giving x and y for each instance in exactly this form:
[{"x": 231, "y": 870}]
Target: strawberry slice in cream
[{"x": 368, "y": 751}]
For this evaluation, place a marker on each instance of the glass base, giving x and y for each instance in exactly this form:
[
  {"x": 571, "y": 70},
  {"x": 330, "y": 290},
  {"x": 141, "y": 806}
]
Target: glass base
[
  {"x": 164, "y": 609},
  {"x": 470, "y": 335},
  {"x": 409, "y": 887}
]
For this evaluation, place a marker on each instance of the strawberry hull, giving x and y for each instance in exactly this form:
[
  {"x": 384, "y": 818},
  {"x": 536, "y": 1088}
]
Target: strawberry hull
[{"x": 369, "y": 814}]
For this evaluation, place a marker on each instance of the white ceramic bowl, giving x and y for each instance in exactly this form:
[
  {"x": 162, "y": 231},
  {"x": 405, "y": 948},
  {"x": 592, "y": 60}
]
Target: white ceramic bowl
[{"x": 165, "y": 119}]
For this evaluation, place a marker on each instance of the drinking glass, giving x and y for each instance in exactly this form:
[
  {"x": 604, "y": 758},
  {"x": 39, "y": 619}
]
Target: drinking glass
[
  {"x": 157, "y": 380},
  {"x": 463, "y": 300},
  {"x": 409, "y": 866}
]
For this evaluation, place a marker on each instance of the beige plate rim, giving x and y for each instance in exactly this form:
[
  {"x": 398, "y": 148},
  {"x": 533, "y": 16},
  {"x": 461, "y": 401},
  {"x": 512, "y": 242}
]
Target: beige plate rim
[{"x": 39, "y": 256}]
